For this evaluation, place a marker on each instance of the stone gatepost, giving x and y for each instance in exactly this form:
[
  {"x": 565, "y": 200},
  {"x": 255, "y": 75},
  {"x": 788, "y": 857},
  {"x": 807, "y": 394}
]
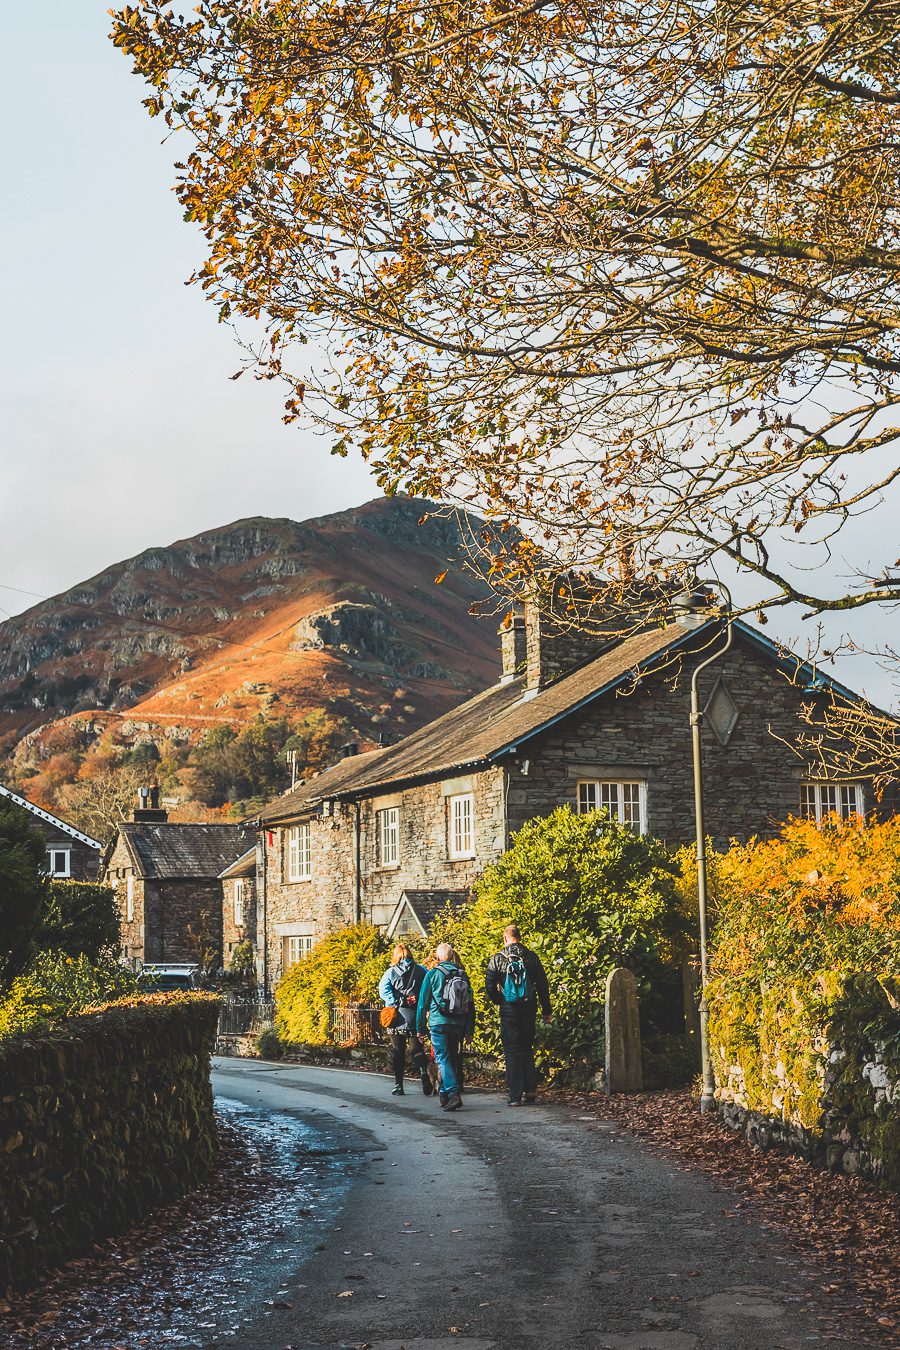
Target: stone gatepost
[{"x": 624, "y": 1072}]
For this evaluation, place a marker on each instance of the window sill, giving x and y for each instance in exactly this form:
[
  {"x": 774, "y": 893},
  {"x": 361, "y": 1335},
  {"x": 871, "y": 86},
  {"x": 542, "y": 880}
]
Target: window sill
[
  {"x": 461, "y": 857},
  {"x": 387, "y": 867},
  {"x": 297, "y": 881}
]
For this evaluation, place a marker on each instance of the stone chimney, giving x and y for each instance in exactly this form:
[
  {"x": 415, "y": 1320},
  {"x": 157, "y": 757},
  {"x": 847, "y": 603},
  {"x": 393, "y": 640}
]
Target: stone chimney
[
  {"x": 513, "y": 647},
  {"x": 148, "y": 810},
  {"x": 555, "y": 645}
]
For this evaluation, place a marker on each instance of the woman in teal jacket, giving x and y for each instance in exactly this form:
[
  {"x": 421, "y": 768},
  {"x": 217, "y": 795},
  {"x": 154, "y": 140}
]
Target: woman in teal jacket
[{"x": 446, "y": 1011}]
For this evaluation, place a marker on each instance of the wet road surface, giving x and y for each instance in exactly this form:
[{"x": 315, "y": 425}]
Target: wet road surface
[{"x": 495, "y": 1227}]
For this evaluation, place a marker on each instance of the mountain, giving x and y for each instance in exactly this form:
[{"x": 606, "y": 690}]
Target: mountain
[{"x": 340, "y": 614}]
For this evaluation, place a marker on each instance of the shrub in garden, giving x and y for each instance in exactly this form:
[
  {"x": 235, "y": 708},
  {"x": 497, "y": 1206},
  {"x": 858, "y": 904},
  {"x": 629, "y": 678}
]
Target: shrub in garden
[
  {"x": 80, "y": 918},
  {"x": 56, "y": 985},
  {"x": 588, "y": 895},
  {"x": 344, "y": 967}
]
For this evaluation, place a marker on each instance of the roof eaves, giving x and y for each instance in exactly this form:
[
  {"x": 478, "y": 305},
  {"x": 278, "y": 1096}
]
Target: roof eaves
[
  {"x": 635, "y": 671},
  {"x": 50, "y": 817}
]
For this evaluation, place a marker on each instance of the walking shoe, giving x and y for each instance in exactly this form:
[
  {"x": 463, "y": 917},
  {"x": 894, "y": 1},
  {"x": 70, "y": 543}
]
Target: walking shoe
[
  {"x": 445, "y": 1097},
  {"x": 514, "y": 1101},
  {"x": 454, "y": 1102},
  {"x": 398, "y": 1091},
  {"x": 427, "y": 1085},
  {"x": 529, "y": 1099}
]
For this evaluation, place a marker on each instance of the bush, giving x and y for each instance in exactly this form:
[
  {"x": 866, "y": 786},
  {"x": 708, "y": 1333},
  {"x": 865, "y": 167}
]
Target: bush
[
  {"x": 588, "y": 895},
  {"x": 56, "y": 985},
  {"x": 80, "y": 918},
  {"x": 804, "y": 1014},
  {"x": 268, "y": 1044},
  {"x": 344, "y": 967},
  {"x": 22, "y": 889}
]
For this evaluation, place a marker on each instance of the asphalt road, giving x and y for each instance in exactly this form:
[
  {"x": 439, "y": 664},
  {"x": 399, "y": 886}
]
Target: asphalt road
[{"x": 496, "y": 1227}]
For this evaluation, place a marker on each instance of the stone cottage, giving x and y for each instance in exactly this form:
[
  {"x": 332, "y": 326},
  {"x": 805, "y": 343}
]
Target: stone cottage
[
  {"x": 71, "y": 854},
  {"x": 563, "y": 726},
  {"x": 167, "y": 883},
  {"x": 238, "y": 902}
]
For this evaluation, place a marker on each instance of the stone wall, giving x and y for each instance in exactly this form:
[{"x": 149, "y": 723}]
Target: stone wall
[
  {"x": 101, "y": 1120},
  {"x": 233, "y": 933},
  {"x": 162, "y": 912}
]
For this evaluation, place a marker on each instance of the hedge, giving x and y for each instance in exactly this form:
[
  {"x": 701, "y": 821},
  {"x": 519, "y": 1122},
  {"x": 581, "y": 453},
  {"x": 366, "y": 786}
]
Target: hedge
[
  {"x": 102, "y": 1119},
  {"x": 805, "y": 995}
]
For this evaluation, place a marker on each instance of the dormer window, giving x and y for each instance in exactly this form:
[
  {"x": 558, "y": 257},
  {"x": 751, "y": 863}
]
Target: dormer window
[{"x": 59, "y": 862}]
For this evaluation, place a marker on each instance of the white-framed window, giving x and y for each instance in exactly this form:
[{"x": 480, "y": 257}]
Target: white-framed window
[
  {"x": 460, "y": 831},
  {"x": 623, "y": 800},
  {"x": 129, "y": 899},
  {"x": 59, "y": 862},
  {"x": 819, "y": 800},
  {"x": 240, "y": 893},
  {"x": 293, "y": 949},
  {"x": 387, "y": 836},
  {"x": 299, "y": 852}
]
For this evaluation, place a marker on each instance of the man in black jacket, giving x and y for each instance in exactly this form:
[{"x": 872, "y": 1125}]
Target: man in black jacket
[{"x": 517, "y": 982}]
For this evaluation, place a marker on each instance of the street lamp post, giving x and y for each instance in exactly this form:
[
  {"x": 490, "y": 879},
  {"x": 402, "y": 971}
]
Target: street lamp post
[{"x": 692, "y": 611}]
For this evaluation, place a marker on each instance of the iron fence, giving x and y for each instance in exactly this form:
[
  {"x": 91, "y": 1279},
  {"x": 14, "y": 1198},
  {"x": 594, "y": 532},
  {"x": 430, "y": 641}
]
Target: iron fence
[
  {"x": 356, "y": 1024},
  {"x": 242, "y": 1015}
]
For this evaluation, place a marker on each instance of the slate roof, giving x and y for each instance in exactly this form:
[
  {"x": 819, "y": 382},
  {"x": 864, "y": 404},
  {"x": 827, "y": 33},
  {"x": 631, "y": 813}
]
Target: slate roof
[
  {"x": 428, "y": 904},
  {"x": 182, "y": 851},
  {"x": 244, "y": 866},
  {"x": 480, "y": 729},
  {"x": 49, "y": 817}
]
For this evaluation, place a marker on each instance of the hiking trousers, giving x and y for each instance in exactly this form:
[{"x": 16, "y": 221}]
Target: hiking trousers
[
  {"x": 517, "y": 1022},
  {"x": 399, "y": 1041}
]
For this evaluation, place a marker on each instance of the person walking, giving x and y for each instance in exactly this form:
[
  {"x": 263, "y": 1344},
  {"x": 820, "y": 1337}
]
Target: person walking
[
  {"x": 399, "y": 989},
  {"x": 516, "y": 981},
  {"x": 446, "y": 1011}
]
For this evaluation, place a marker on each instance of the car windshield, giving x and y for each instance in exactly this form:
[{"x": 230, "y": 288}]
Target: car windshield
[{"x": 167, "y": 981}]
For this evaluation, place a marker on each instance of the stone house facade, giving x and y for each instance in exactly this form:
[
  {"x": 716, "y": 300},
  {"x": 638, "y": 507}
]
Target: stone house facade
[
  {"x": 167, "y": 883},
  {"x": 238, "y": 902},
  {"x": 611, "y": 731},
  {"x": 71, "y": 854}
]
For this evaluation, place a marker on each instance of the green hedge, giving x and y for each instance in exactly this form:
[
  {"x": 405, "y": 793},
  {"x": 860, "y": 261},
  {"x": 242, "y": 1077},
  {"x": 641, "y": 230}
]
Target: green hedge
[{"x": 102, "y": 1119}]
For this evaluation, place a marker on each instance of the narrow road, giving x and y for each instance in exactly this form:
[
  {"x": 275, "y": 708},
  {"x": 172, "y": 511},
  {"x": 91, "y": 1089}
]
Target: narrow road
[{"x": 495, "y": 1227}]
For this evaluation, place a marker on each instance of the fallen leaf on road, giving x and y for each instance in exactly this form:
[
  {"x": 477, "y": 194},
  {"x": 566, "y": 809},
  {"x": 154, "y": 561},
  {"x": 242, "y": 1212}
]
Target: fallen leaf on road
[{"x": 348, "y": 1293}]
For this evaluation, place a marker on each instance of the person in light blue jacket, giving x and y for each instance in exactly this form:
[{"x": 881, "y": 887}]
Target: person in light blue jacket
[
  {"x": 446, "y": 1011},
  {"x": 399, "y": 988}
]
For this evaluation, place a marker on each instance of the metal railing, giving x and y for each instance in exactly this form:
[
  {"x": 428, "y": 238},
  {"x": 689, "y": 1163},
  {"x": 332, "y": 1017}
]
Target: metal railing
[
  {"x": 356, "y": 1024},
  {"x": 242, "y": 1015}
]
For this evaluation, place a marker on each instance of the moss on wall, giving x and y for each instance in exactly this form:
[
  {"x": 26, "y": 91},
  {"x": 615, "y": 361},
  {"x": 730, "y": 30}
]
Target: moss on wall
[{"x": 101, "y": 1119}]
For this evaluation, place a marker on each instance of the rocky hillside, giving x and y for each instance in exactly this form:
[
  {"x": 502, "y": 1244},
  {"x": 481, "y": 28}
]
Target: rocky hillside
[{"x": 263, "y": 616}]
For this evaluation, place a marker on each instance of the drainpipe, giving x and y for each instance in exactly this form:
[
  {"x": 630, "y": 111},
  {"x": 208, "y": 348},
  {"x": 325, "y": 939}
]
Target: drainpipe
[
  {"x": 265, "y": 909},
  {"x": 358, "y": 895}
]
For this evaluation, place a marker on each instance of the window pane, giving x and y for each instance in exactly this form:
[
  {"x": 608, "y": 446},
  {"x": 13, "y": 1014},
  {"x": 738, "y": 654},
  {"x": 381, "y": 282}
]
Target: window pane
[
  {"x": 848, "y": 806},
  {"x": 631, "y": 804},
  {"x": 587, "y": 797},
  {"x": 461, "y": 845},
  {"x": 808, "y": 801},
  {"x": 828, "y": 797},
  {"x": 609, "y": 799}
]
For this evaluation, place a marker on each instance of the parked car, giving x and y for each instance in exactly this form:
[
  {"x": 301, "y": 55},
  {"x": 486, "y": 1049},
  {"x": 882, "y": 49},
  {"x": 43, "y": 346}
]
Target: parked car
[{"x": 160, "y": 978}]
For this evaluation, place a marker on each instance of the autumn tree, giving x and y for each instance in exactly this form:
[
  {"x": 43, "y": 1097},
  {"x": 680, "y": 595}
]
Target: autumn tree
[{"x": 624, "y": 276}]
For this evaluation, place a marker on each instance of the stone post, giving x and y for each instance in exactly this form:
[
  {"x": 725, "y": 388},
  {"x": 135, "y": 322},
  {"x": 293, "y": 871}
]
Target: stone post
[{"x": 624, "y": 1072}]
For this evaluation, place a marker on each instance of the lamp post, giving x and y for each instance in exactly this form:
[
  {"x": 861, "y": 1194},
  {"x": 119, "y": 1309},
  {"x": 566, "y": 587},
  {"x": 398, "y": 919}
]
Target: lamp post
[{"x": 692, "y": 611}]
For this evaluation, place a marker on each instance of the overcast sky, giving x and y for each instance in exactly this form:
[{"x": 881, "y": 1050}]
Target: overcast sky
[{"x": 121, "y": 428}]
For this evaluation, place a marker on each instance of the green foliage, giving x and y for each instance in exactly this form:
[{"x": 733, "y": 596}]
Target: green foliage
[
  {"x": 344, "y": 967},
  {"x": 56, "y": 985},
  {"x": 588, "y": 895},
  {"x": 242, "y": 967},
  {"x": 80, "y": 918},
  {"x": 23, "y": 889},
  {"x": 101, "y": 1121},
  {"x": 268, "y": 1044},
  {"x": 235, "y": 765}
]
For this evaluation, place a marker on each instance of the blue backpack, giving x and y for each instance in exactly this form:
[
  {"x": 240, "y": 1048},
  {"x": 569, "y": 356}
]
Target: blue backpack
[{"x": 517, "y": 986}]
